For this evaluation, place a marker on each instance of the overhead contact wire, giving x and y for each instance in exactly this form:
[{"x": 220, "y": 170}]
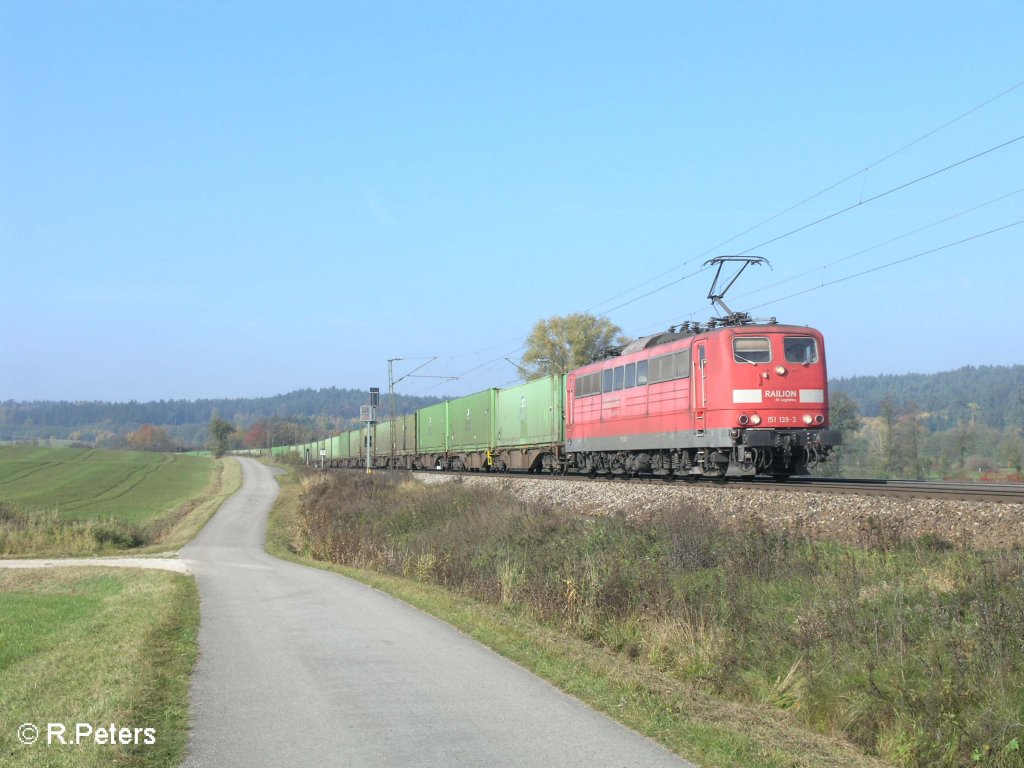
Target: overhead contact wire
[
  {"x": 817, "y": 194},
  {"x": 883, "y": 194},
  {"x": 890, "y": 264}
]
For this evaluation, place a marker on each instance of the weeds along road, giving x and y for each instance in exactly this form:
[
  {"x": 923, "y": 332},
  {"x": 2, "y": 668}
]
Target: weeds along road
[{"x": 300, "y": 666}]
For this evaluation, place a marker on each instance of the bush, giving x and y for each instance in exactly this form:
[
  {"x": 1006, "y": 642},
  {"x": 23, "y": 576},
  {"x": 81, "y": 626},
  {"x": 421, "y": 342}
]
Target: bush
[{"x": 117, "y": 535}]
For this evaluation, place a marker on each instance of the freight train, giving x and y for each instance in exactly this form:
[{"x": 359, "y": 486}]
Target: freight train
[
  {"x": 738, "y": 399},
  {"x": 730, "y": 398}
]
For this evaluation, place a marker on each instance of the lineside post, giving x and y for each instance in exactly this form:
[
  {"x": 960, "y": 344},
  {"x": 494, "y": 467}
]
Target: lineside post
[{"x": 368, "y": 415}]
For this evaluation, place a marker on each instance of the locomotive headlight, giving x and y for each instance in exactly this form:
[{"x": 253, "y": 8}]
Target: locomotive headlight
[
  {"x": 819, "y": 419},
  {"x": 808, "y": 419},
  {"x": 755, "y": 419},
  {"x": 743, "y": 419},
  {"x": 780, "y": 370}
]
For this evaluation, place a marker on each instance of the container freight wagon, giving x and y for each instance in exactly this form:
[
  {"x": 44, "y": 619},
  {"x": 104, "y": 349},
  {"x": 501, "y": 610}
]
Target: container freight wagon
[
  {"x": 382, "y": 433},
  {"x": 471, "y": 430},
  {"x": 432, "y": 436},
  {"x": 395, "y": 444},
  {"x": 337, "y": 450},
  {"x": 530, "y": 425}
]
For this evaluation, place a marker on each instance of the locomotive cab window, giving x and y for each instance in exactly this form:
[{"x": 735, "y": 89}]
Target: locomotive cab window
[
  {"x": 630, "y": 375},
  {"x": 620, "y": 378},
  {"x": 607, "y": 380},
  {"x": 641, "y": 373},
  {"x": 751, "y": 349},
  {"x": 800, "y": 349}
]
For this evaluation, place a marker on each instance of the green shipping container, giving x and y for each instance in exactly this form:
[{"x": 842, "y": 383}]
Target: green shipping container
[
  {"x": 407, "y": 433},
  {"x": 355, "y": 449},
  {"x": 471, "y": 422},
  {"x": 432, "y": 428},
  {"x": 403, "y": 431},
  {"x": 531, "y": 413},
  {"x": 382, "y": 438}
]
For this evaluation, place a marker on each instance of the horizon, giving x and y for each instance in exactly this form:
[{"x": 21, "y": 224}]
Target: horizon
[{"x": 831, "y": 379}]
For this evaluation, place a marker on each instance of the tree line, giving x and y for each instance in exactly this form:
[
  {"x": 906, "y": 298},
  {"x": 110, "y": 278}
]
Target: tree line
[
  {"x": 305, "y": 414},
  {"x": 966, "y": 423}
]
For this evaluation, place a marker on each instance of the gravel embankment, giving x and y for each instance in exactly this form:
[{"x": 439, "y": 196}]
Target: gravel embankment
[{"x": 851, "y": 518}]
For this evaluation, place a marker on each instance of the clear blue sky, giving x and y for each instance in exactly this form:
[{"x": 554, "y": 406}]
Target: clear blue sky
[{"x": 246, "y": 198}]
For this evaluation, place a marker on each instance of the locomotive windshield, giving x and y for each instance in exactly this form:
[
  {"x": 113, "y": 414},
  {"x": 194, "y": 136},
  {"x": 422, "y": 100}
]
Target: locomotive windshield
[
  {"x": 753, "y": 350},
  {"x": 800, "y": 349}
]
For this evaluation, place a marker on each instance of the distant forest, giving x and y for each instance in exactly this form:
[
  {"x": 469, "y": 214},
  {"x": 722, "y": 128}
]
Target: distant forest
[
  {"x": 962, "y": 423},
  {"x": 967, "y": 423},
  {"x": 306, "y": 413},
  {"x": 990, "y": 395}
]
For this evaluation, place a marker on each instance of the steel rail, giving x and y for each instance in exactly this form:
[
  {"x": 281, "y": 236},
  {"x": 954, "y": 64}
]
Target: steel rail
[{"x": 1008, "y": 493}]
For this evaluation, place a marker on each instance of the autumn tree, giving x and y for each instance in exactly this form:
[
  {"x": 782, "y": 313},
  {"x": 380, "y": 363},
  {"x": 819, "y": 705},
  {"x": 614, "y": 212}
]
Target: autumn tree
[
  {"x": 560, "y": 344},
  {"x": 220, "y": 431},
  {"x": 257, "y": 435},
  {"x": 150, "y": 438}
]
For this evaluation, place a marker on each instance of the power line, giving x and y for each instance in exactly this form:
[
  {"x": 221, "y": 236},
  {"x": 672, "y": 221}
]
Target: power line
[
  {"x": 811, "y": 197},
  {"x": 829, "y": 216},
  {"x": 884, "y": 243},
  {"x": 884, "y": 194},
  {"x": 866, "y": 168},
  {"x": 890, "y": 264},
  {"x": 821, "y": 267}
]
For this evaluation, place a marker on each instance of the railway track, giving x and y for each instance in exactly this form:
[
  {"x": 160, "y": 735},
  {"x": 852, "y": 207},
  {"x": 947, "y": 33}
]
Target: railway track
[{"x": 1006, "y": 493}]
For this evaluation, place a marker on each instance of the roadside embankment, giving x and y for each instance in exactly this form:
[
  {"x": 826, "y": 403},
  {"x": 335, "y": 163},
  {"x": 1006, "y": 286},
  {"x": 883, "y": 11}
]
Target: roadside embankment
[{"x": 847, "y": 518}]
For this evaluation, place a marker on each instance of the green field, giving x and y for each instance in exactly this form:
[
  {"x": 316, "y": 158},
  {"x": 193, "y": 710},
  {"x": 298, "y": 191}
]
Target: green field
[
  {"x": 71, "y": 501},
  {"x": 82, "y": 484},
  {"x": 96, "y": 646}
]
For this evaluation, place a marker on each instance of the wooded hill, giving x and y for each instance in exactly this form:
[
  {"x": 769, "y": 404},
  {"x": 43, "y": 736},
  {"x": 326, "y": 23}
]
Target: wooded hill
[
  {"x": 967, "y": 423},
  {"x": 187, "y": 421},
  {"x": 989, "y": 395}
]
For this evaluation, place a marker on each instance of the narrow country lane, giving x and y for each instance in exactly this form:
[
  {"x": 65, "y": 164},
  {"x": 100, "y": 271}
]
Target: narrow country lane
[{"x": 303, "y": 667}]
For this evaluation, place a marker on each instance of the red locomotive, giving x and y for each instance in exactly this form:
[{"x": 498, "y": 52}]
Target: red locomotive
[{"x": 733, "y": 398}]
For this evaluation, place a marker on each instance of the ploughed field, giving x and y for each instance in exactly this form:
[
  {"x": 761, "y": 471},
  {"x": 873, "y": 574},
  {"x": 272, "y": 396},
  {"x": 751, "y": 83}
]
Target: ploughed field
[{"x": 82, "y": 483}]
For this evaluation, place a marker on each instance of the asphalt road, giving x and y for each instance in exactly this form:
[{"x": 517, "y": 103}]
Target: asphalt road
[{"x": 301, "y": 667}]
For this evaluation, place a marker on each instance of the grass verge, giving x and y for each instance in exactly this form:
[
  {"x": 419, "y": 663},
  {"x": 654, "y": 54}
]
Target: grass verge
[
  {"x": 707, "y": 729},
  {"x": 98, "y": 648}
]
